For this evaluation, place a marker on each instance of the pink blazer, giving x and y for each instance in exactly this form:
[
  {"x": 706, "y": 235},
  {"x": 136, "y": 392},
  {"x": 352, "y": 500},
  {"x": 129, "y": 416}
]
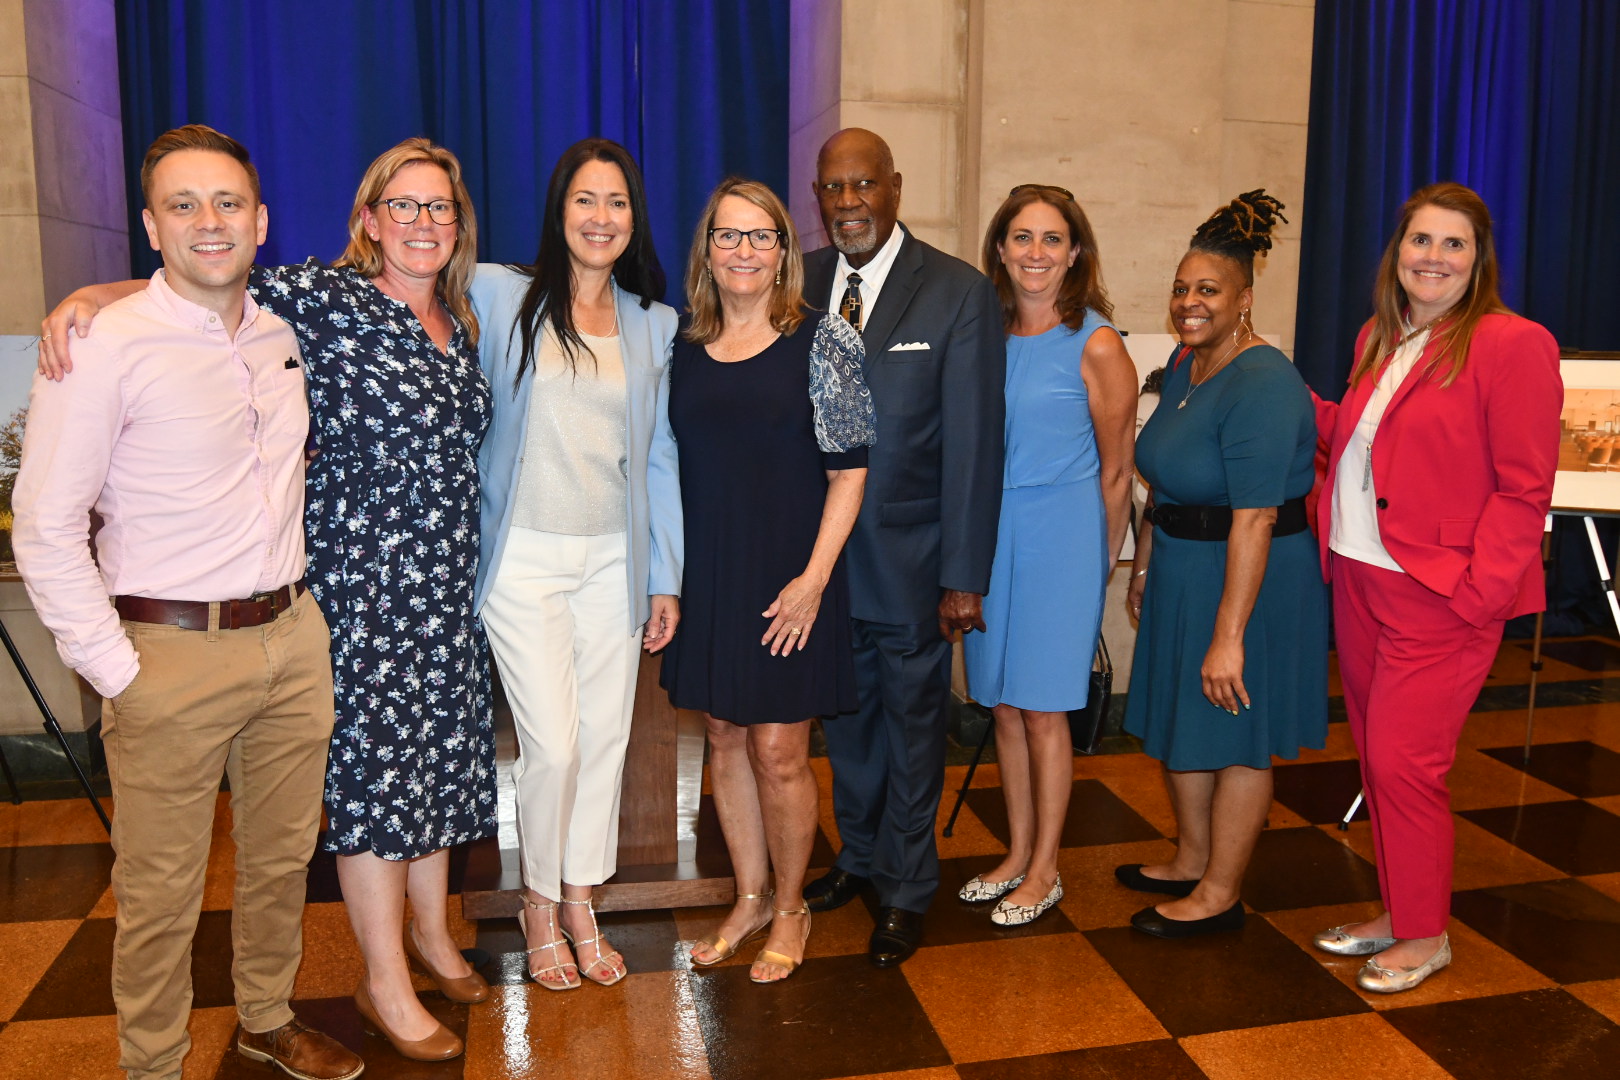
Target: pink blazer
[{"x": 1464, "y": 474}]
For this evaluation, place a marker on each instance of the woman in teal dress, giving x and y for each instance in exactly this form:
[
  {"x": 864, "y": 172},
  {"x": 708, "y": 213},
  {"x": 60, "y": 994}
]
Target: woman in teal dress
[
  {"x": 1071, "y": 411},
  {"x": 1231, "y": 654}
]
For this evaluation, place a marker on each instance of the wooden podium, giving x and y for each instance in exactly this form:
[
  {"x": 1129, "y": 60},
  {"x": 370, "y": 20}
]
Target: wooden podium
[{"x": 670, "y": 850}]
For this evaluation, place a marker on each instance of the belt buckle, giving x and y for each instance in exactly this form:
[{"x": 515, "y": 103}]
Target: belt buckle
[{"x": 261, "y": 597}]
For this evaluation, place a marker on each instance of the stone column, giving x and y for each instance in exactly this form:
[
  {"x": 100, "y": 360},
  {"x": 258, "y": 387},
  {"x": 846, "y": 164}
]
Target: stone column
[
  {"x": 898, "y": 67},
  {"x": 62, "y": 224}
]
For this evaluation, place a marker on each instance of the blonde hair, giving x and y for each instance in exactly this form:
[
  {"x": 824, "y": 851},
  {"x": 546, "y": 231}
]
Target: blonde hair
[
  {"x": 703, "y": 295},
  {"x": 1456, "y": 327},
  {"x": 365, "y": 254}
]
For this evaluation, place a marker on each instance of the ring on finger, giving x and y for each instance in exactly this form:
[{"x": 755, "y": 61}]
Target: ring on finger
[{"x": 794, "y": 630}]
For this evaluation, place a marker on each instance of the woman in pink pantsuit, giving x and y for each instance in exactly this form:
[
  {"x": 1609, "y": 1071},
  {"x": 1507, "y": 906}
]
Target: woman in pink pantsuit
[{"x": 1440, "y": 474}]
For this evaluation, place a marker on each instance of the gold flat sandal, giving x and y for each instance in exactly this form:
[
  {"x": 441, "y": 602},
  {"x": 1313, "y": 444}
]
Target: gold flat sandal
[
  {"x": 725, "y": 950},
  {"x": 768, "y": 956}
]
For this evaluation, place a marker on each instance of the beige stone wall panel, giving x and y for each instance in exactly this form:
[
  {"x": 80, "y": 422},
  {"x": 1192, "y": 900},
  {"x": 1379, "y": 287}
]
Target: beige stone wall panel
[
  {"x": 13, "y": 45},
  {"x": 22, "y": 294},
  {"x": 79, "y": 161},
  {"x": 924, "y": 139},
  {"x": 73, "y": 48},
  {"x": 1268, "y": 62},
  {"x": 803, "y": 146},
  {"x": 74, "y": 254},
  {"x": 814, "y": 106},
  {"x": 18, "y": 192},
  {"x": 905, "y": 50}
]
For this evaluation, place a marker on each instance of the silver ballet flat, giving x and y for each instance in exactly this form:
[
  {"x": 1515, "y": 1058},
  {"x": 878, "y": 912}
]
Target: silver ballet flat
[
  {"x": 1007, "y": 914},
  {"x": 1339, "y": 943},
  {"x": 978, "y": 890},
  {"x": 1381, "y": 980}
]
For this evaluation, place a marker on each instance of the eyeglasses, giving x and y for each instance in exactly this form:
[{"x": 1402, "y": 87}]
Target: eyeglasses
[
  {"x": 406, "y": 211},
  {"x": 758, "y": 239},
  {"x": 1065, "y": 192}
]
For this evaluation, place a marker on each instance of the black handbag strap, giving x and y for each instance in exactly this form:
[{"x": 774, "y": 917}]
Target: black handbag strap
[{"x": 1105, "y": 664}]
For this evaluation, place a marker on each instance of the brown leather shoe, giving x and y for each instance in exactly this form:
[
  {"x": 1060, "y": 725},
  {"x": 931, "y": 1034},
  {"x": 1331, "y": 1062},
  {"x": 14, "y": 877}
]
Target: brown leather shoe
[
  {"x": 301, "y": 1052},
  {"x": 442, "y": 1045},
  {"x": 468, "y": 989}
]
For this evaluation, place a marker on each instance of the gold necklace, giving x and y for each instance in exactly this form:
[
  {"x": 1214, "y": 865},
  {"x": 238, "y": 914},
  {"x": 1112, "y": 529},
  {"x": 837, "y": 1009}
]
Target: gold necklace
[{"x": 1191, "y": 386}]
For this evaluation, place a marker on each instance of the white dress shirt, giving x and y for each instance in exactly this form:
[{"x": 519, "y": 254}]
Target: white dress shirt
[{"x": 873, "y": 275}]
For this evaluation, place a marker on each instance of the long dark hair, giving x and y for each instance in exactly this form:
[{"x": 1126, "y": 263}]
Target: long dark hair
[
  {"x": 1456, "y": 329},
  {"x": 550, "y": 295},
  {"x": 1082, "y": 282}
]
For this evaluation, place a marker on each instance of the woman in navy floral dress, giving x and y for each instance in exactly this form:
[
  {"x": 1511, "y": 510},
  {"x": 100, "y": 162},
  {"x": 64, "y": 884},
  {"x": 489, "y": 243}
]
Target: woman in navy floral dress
[{"x": 398, "y": 407}]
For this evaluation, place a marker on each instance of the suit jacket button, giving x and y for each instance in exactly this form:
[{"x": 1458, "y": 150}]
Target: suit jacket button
[{"x": 1383, "y": 504}]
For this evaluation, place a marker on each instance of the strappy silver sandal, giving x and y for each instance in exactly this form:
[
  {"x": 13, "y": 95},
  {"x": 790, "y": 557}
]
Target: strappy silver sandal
[
  {"x": 616, "y": 972},
  {"x": 569, "y": 982}
]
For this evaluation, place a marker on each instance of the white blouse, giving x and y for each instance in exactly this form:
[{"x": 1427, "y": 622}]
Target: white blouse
[{"x": 1355, "y": 496}]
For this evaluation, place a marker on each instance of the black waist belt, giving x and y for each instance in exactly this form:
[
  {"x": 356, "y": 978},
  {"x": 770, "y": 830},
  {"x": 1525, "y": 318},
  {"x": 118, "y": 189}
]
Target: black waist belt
[{"x": 1215, "y": 522}]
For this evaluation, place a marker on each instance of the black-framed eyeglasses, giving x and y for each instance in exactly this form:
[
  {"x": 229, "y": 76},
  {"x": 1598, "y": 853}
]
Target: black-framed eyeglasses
[
  {"x": 1065, "y": 192},
  {"x": 758, "y": 239},
  {"x": 406, "y": 211}
]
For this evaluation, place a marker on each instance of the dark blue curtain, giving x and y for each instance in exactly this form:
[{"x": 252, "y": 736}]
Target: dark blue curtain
[
  {"x": 1517, "y": 100},
  {"x": 696, "y": 89}
]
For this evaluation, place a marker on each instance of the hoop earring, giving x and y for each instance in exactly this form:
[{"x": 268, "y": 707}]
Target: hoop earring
[{"x": 1244, "y": 327}]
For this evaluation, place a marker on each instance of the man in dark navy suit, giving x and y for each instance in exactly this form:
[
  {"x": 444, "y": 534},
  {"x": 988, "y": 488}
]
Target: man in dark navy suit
[{"x": 919, "y": 558}]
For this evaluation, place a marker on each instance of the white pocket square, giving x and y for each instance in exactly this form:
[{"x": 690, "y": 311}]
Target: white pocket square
[{"x": 910, "y": 346}]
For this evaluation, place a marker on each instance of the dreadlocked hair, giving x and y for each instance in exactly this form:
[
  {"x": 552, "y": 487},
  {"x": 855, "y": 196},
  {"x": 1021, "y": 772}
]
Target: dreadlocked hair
[{"x": 1241, "y": 229}]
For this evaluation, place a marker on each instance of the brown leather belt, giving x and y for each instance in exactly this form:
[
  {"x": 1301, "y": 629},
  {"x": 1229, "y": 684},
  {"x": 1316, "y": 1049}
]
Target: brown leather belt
[{"x": 256, "y": 610}]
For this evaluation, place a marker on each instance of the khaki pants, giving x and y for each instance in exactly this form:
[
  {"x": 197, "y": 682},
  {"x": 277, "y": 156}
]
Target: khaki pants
[{"x": 256, "y": 705}]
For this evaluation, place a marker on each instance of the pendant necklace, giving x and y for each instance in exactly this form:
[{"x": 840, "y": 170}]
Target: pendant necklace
[
  {"x": 1367, "y": 465},
  {"x": 1191, "y": 386}
]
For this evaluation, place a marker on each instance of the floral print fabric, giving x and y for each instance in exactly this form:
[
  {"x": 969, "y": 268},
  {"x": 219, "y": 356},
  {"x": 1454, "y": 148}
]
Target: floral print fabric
[{"x": 391, "y": 519}]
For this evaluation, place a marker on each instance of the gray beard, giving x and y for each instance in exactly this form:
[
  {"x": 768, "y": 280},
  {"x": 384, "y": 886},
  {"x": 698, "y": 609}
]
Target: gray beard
[{"x": 858, "y": 244}]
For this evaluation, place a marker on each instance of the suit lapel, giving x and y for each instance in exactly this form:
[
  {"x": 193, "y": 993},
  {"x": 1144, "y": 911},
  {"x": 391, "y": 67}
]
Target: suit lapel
[
  {"x": 818, "y": 276},
  {"x": 905, "y": 278},
  {"x": 1413, "y": 377}
]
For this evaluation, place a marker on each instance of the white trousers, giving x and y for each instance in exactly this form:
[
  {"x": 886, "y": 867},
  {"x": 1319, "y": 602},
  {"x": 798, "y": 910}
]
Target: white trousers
[{"x": 558, "y": 621}]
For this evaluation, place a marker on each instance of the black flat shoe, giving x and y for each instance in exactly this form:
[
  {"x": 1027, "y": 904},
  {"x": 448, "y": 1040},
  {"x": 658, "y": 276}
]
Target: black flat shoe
[
  {"x": 1131, "y": 877},
  {"x": 834, "y": 889},
  {"x": 897, "y": 936},
  {"x": 1149, "y": 921}
]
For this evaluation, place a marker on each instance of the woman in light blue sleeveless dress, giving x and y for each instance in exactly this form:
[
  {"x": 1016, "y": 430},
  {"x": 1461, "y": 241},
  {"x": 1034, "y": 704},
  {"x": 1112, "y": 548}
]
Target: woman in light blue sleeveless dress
[{"x": 1071, "y": 410}]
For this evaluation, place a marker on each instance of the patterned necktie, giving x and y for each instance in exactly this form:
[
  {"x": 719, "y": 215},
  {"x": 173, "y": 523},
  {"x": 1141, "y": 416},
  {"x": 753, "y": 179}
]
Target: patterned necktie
[{"x": 851, "y": 307}]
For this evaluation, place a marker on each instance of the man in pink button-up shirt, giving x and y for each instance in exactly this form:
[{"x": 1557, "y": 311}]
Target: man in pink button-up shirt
[{"x": 183, "y": 430}]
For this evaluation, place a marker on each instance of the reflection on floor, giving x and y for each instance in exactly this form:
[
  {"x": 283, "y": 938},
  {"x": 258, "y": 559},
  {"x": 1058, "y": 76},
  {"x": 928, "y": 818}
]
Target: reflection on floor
[{"x": 1534, "y": 991}]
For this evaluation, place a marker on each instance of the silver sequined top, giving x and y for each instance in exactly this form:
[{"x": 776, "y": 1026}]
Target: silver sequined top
[{"x": 572, "y": 476}]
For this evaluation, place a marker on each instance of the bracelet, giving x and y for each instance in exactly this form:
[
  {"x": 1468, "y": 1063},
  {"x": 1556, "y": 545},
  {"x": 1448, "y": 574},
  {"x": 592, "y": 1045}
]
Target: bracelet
[{"x": 1139, "y": 573}]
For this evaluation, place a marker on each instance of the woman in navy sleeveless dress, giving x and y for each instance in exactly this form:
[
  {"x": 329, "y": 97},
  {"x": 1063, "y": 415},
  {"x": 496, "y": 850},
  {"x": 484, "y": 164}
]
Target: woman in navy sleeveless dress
[{"x": 772, "y": 419}]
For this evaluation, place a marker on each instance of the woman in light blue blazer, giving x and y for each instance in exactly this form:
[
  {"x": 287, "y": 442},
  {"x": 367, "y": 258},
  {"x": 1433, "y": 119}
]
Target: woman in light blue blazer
[{"x": 581, "y": 531}]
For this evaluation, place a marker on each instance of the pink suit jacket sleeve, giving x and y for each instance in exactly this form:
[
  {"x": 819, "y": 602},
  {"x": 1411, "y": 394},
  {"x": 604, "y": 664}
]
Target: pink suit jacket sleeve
[{"x": 1519, "y": 363}]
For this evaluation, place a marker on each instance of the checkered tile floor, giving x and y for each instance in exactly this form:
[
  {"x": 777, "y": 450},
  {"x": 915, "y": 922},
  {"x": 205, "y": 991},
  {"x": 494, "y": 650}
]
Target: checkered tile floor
[{"x": 1534, "y": 991}]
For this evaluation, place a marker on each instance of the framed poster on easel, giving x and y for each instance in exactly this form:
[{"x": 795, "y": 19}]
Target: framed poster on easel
[{"x": 1587, "y": 484}]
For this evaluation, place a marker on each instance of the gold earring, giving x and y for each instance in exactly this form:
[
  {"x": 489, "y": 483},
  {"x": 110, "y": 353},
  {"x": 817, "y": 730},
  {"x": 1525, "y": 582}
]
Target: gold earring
[{"x": 779, "y": 275}]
